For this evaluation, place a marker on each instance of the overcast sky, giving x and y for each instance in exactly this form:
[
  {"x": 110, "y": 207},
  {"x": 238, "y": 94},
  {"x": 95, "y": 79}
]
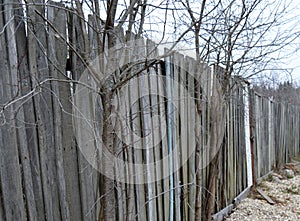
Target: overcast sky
[{"x": 290, "y": 66}]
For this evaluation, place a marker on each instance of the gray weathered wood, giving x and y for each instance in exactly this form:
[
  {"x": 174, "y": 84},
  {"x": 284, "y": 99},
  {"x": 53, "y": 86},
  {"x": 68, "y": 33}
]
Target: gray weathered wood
[
  {"x": 57, "y": 53},
  {"x": 177, "y": 63},
  {"x": 223, "y": 213},
  {"x": 32, "y": 133},
  {"x": 154, "y": 79},
  {"x": 183, "y": 111},
  {"x": 87, "y": 174},
  {"x": 20, "y": 77},
  {"x": 2, "y": 215},
  {"x": 44, "y": 114},
  {"x": 140, "y": 172},
  {"x": 10, "y": 171},
  {"x": 190, "y": 68},
  {"x": 265, "y": 196}
]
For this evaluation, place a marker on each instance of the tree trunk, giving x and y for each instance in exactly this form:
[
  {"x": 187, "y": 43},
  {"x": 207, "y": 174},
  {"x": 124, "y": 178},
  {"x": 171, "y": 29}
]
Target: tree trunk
[
  {"x": 108, "y": 203},
  {"x": 211, "y": 193}
]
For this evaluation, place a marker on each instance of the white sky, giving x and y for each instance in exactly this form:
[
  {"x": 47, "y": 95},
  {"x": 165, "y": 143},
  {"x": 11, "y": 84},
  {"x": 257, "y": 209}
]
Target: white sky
[{"x": 292, "y": 63}]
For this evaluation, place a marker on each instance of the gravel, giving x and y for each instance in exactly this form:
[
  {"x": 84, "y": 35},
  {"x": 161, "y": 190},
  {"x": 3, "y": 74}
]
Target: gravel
[{"x": 284, "y": 192}]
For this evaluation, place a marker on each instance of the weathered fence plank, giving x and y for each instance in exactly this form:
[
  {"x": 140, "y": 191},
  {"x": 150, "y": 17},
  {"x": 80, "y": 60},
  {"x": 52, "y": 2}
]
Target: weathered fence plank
[
  {"x": 157, "y": 116},
  {"x": 21, "y": 80},
  {"x": 190, "y": 68},
  {"x": 10, "y": 170},
  {"x": 30, "y": 113},
  {"x": 184, "y": 141},
  {"x": 88, "y": 176},
  {"x": 177, "y": 150},
  {"x": 2, "y": 215},
  {"x": 137, "y": 130},
  {"x": 44, "y": 114},
  {"x": 57, "y": 53}
]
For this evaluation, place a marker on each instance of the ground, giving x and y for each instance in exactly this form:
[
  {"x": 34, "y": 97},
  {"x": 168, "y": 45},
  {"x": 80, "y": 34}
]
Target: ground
[{"x": 285, "y": 192}]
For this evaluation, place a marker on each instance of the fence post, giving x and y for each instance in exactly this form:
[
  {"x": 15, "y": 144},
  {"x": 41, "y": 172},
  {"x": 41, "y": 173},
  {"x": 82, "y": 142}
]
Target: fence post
[
  {"x": 248, "y": 137},
  {"x": 170, "y": 131}
]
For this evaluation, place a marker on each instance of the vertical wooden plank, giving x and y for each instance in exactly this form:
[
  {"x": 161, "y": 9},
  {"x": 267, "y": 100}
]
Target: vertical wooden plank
[
  {"x": 138, "y": 154},
  {"x": 22, "y": 80},
  {"x": 242, "y": 161},
  {"x": 261, "y": 138},
  {"x": 87, "y": 174},
  {"x": 146, "y": 131},
  {"x": 183, "y": 139},
  {"x": 209, "y": 92},
  {"x": 257, "y": 135},
  {"x": 280, "y": 142},
  {"x": 237, "y": 139},
  {"x": 296, "y": 131},
  {"x": 286, "y": 132},
  {"x": 57, "y": 52},
  {"x": 280, "y": 137},
  {"x": 32, "y": 133},
  {"x": 85, "y": 134},
  {"x": 152, "y": 88},
  {"x": 127, "y": 191},
  {"x": 127, "y": 135},
  {"x": 191, "y": 135},
  {"x": 2, "y": 214},
  {"x": 177, "y": 62},
  {"x": 137, "y": 142},
  {"x": 276, "y": 133},
  {"x": 44, "y": 114},
  {"x": 120, "y": 171},
  {"x": 198, "y": 140},
  {"x": 244, "y": 127},
  {"x": 233, "y": 132},
  {"x": 226, "y": 157},
  {"x": 170, "y": 130},
  {"x": 267, "y": 134},
  {"x": 271, "y": 136},
  {"x": 204, "y": 80},
  {"x": 234, "y": 144},
  {"x": 164, "y": 147},
  {"x": 231, "y": 148},
  {"x": 258, "y": 138},
  {"x": 131, "y": 205},
  {"x": 244, "y": 119},
  {"x": 10, "y": 172},
  {"x": 283, "y": 132},
  {"x": 96, "y": 178},
  {"x": 155, "y": 78},
  {"x": 64, "y": 106},
  {"x": 279, "y": 131}
]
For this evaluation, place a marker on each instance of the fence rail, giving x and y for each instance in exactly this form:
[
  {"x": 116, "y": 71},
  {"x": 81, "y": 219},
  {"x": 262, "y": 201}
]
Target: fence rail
[{"x": 215, "y": 140}]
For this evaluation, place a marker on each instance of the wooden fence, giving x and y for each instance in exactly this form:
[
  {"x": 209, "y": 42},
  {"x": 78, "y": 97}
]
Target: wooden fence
[
  {"x": 275, "y": 133},
  {"x": 44, "y": 174}
]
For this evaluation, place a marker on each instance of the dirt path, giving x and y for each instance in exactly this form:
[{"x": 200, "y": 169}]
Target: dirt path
[{"x": 284, "y": 192}]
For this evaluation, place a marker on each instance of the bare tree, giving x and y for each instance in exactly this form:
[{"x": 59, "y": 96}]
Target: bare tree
[{"x": 244, "y": 38}]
